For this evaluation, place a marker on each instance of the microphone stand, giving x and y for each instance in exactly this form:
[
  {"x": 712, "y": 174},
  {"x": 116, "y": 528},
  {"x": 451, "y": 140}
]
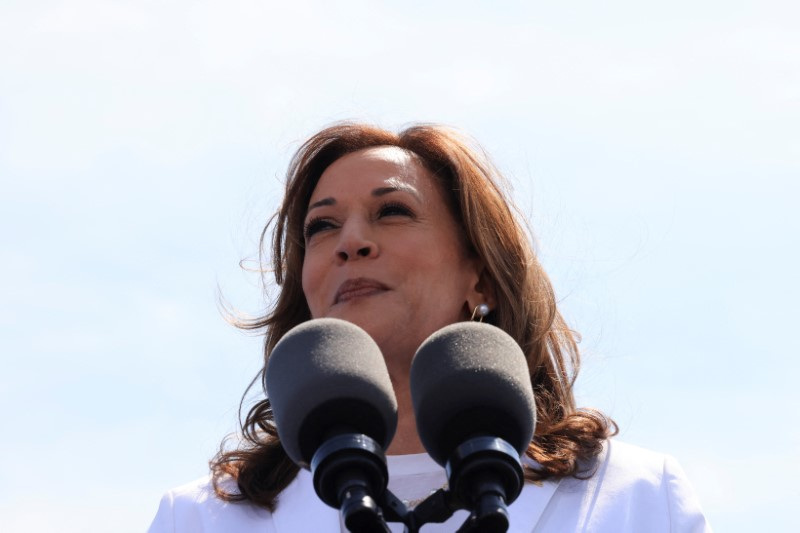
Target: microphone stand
[
  {"x": 484, "y": 475},
  {"x": 347, "y": 470}
]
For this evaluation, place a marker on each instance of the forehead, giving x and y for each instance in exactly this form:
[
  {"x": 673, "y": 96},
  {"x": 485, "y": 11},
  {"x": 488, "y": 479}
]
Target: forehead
[
  {"x": 381, "y": 166},
  {"x": 392, "y": 155}
]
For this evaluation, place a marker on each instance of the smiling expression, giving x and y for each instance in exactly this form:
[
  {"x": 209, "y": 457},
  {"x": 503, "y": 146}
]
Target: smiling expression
[{"x": 384, "y": 251}]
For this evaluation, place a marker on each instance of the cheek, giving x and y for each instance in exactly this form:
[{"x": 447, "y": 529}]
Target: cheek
[
  {"x": 438, "y": 276},
  {"x": 310, "y": 283}
]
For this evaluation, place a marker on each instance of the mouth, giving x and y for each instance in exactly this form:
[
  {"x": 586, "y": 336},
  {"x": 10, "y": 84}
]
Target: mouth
[{"x": 357, "y": 288}]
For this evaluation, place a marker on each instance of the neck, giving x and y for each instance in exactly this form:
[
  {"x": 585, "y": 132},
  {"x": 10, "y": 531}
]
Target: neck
[{"x": 406, "y": 440}]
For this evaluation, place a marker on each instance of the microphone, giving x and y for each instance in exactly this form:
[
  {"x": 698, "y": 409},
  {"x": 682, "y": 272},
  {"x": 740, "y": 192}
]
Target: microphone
[
  {"x": 335, "y": 412},
  {"x": 475, "y": 415}
]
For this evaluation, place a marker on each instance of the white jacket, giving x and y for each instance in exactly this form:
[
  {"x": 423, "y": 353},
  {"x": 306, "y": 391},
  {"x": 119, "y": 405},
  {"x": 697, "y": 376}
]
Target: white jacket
[{"x": 633, "y": 490}]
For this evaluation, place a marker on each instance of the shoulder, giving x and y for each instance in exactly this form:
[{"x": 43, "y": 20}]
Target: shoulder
[
  {"x": 195, "y": 507},
  {"x": 632, "y": 489},
  {"x": 631, "y": 468},
  {"x": 624, "y": 465},
  {"x": 622, "y": 470}
]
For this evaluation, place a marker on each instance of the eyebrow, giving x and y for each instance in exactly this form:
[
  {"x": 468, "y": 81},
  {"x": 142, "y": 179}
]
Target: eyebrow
[
  {"x": 320, "y": 203},
  {"x": 397, "y": 187},
  {"x": 380, "y": 191}
]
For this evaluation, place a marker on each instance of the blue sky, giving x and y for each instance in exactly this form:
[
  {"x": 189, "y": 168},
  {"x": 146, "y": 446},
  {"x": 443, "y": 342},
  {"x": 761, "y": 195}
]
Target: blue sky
[{"x": 654, "y": 149}]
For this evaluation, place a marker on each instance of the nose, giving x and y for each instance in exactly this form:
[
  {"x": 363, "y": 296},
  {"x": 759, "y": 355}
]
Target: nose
[{"x": 355, "y": 242}]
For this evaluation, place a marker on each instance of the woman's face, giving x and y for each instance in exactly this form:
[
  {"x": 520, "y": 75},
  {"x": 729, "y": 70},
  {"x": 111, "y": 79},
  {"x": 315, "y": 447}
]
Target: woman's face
[{"x": 384, "y": 252}]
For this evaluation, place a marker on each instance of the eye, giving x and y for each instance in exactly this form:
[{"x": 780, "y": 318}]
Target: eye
[
  {"x": 315, "y": 225},
  {"x": 391, "y": 209}
]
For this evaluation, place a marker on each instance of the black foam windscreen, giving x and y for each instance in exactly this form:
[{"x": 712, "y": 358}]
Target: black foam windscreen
[
  {"x": 471, "y": 379},
  {"x": 328, "y": 376}
]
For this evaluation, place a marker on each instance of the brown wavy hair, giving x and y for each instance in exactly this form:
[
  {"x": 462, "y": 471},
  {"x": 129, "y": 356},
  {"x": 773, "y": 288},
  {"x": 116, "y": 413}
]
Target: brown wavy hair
[{"x": 566, "y": 439}]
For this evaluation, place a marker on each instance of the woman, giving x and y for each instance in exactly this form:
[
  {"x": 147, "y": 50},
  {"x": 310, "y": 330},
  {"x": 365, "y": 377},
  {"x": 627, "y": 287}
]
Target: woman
[{"x": 403, "y": 234}]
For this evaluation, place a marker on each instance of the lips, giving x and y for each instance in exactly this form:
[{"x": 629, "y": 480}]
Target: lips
[{"x": 355, "y": 288}]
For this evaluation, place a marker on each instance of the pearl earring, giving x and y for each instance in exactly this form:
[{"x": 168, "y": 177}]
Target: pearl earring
[{"x": 480, "y": 312}]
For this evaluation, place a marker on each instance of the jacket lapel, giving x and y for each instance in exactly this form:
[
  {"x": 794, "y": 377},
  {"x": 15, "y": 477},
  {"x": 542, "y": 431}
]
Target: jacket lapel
[
  {"x": 299, "y": 510},
  {"x": 529, "y": 506}
]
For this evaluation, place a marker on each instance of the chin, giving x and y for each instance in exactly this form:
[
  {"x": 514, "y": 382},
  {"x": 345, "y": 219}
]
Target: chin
[
  {"x": 375, "y": 327},
  {"x": 359, "y": 311},
  {"x": 383, "y": 330}
]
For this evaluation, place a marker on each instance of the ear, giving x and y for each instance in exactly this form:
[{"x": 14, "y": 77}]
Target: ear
[{"x": 482, "y": 289}]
